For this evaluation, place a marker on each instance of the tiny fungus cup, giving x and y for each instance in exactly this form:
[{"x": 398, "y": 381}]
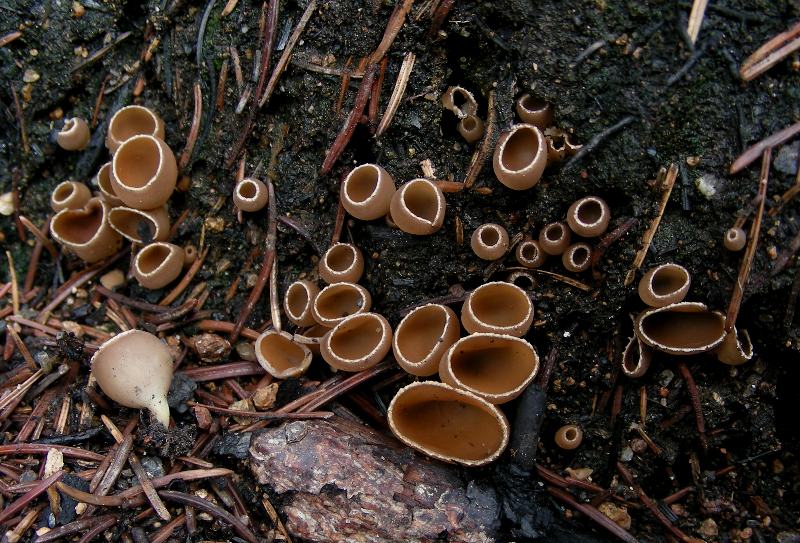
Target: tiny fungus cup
[
  {"x": 736, "y": 348},
  {"x": 489, "y": 241},
  {"x": 367, "y": 192},
  {"x": 664, "y": 285},
  {"x": 69, "y": 195},
  {"x": 189, "y": 254},
  {"x": 357, "y": 343},
  {"x": 158, "y": 264},
  {"x": 520, "y": 157},
  {"x": 140, "y": 226},
  {"x": 280, "y": 356},
  {"x": 74, "y": 135},
  {"x": 338, "y": 301},
  {"x": 534, "y": 111},
  {"x": 298, "y": 302},
  {"x": 418, "y": 207},
  {"x": 422, "y": 338},
  {"x": 499, "y": 308},
  {"x": 134, "y": 369},
  {"x": 471, "y": 128},
  {"x": 577, "y": 257},
  {"x": 529, "y": 254},
  {"x": 636, "y": 358},
  {"x": 342, "y": 263},
  {"x": 448, "y": 424},
  {"x": 144, "y": 172},
  {"x": 250, "y": 195},
  {"x": 556, "y": 148},
  {"x": 589, "y": 216},
  {"x": 684, "y": 328},
  {"x": 86, "y": 231},
  {"x": 554, "y": 238},
  {"x": 103, "y": 182},
  {"x": 735, "y": 239},
  {"x": 569, "y": 436},
  {"x": 460, "y": 101},
  {"x": 132, "y": 121},
  {"x": 495, "y": 367}
]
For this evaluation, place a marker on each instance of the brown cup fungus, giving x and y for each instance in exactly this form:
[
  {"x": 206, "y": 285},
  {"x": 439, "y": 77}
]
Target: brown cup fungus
[
  {"x": 298, "y": 302},
  {"x": 498, "y": 308},
  {"x": 132, "y": 121},
  {"x": 489, "y": 241},
  {"x": 520, "y": 157},
  {"x": 144, "y": 172},
  {"x": 311, "y": 337},
  {"x": 448, "y": 424},
  {"x": 140, "y": 226},
  {"x": 495, "y": 367},
  {"x": 336, "y": 302},
  {"x": 250, "y": 195},
  {"x": 529, "y": 254},
  {"x": 589, "y": 216},
  {"x": 569, "y": 437},
  {"x": 577, "y": 257},
  {"x": 636, "y": 358},
  {"x": 554, "y": 238},
  {"x": 69, "y": 195},
  {"x": 74, "y": 135},
  {"x": 664, "y": 285},
  {"x": 189, "y": 254},
  {"x": 280, "y": 356},
  {"x": 736, "y": 348},
  {"x": 735, "y": 239},
  {"x": 158, "y": 265},
  {"x": 422, "y": 338},
  {"x": 103, "y": 181},
  {"x": 342, "y": 263},
  {"x": 418, "y": 207},
  {"x": 460, "y": 101},
  {"x": 357, "y": 343},
  {"x": 471, "y": 128},
  {"x": 684, "y": 328},
  {"x": 86, "y": 231},
  {"x": 134, "y": 369},
  {"x": 367, "y": 192}
]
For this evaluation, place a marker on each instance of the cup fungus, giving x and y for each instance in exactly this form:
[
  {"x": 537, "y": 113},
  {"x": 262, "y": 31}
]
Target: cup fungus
[
  {"x": 448, "y": 424},
  {"x": 736, "y": 348},
  {"x": 529, "y": 254},
  {"x": 86, "y": 231},
  {"x": 520, "y": 157},
  {"x": 664, "y": 285},
  {"x": 589, "y": 216},
  {"x": 103, "y": 182},
  {"x": 298, "y": 302},
  {"x": 342, "y": 263},
  {"x": 554, "y": 238},
  {"x": 499, "y": 308},
  {"x": 132, "y": 121},
  {"x": 460, "y": 101},
  {"x": 735, "y": 239},
  {"x": 534, "y": 111},
  {"x": 336, "y": 302},
  {"x": 418, "y": 207},
  {"x": 556, "y": 149},
  {"x": 636, "y": 358},
  {"x": 471, "y": 128},
  {"x": 311, "y": 337},
  {"x": 569, "y": 437},
  {"x": 489, "y": 241},
  {"x": 684, "y": 328},
  {"x": 69, "y": 195},
  {"x": 189, "y": 254},
  {"x": 357, "y": 343},
  {"x": 74, "y": 135},
  {"x": 158, "y": 264},
  {"x": 250, "y": 195},
  {"x": 134, "y": 369},
  {"x": 577, "y": 257},
  {"x": 367, "y": 192},
  {"x": 140, "y": 226},
  {"x": 495, "y": 367},
  {"x": 280, "y": 356},
  {"x": 144, "y": 172},
  {"x": 423, "y": 336}
]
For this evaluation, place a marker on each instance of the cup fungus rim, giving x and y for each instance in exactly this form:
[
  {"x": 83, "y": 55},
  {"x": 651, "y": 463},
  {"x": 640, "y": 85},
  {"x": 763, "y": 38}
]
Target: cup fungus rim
[
  {"x": 269, "y": 368},
  {"x": 671, "y": 298},
  {"x": 440, "y": 202},
  {"x": 482, "y": 326},
  {"x": 450, "y": 319},
  {"x": 343, "y": 363}
]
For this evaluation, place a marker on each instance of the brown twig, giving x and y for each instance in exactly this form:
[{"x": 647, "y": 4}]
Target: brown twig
[
  {"x": 696, "y": 19},
  {"x": 23, "y": 132},
  {"x": 592, "y": 513},
  {"x": 396, "y": 21},
  {"x": 270, "y": 415},
  {"x": 482, "y": 152},
  {"x": 757, "y": 149},
  {"x": 97, "y": 55},
  {"x": 212, "y": 509},
  {"x": 607, "y": 240},
  {"x": 8, "y": 38},
  {"x": 345, "y": 385},
  {"x": 772, "y": 52},
  {"x": 439, "y": 15},
  {"x": 374, "y": 99},
  {"x": 75, "y": 526},
  {"x": 35, "y": 448},
  {"x": 194, "y": 131},
  {"x": 398, "y": 91},
  {"x": 186, "y": 280},
  {"x": 15, "y": 507},
  {"x": 268, "y": 42}
]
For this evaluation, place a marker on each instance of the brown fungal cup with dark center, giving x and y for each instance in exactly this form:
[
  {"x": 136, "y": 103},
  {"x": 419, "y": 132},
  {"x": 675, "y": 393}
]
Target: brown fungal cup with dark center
[
  {"x": 250, "y": 195},
  {"x": 577, "y": 257},
  {"x": 554, "y": 238},
  {"x": 423, "y": 336},
  {"x": 357, "y": 343},
  {"x": 736, "y": 348},
  {"x": 336, "y": 302},
  {"x": 471, "y": 128},
  {"x": 529, "y": 254},
  {"x": 418, "y": 207},
  {"x": 460, "y": 101},
  {"x": 280, "y": 356},
  {"x": 735, "y": 239},
  {"x": 298, "y": 302},
  {"x": 534, "y": 111},
  {"x": 499, "y": 308},
  {"x": 520, "y": 157},
  {"x": 489, "y": 241},
  {"x": 664, "y": 285},
  {"x": 367, "y": 192},
  {"x": 684, "y": 328},
  {"x": 589, "y": 216},
  {"x": 569, "y": 437},
  {"x": 342, "y": 263}
]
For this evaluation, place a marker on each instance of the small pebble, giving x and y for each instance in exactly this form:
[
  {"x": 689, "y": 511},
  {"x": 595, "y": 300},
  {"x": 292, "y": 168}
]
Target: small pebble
[{"x": 30, "y": 76}]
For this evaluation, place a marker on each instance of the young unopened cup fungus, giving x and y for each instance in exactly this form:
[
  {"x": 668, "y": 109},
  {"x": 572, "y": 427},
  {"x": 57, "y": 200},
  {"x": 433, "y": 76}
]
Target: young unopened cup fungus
[
  {"x": 280, "y": 356},
  {"x": 460, "y": 101},
  {"x": 423, "y": 336},
  {"x": 144, "y": 172},
  {"x": 338, "y": 301},
  {"x": 577, "y": 257},
  {"x": 489, "y": 241},
  {"x": 569, "y": 437},
  {"x": 664, "y": 285},
  {"x": 69, "y": 195},
  {"x": 684, "y": 328},
  {"x": 554, "y": 238},
  {"x": 140, "y": 226},
  {"x": 418, "y": 207},
  {"x": 520, "y": 157},
  {"x": 735, "y": 239},
  {"x": 103, "y": 181},
  {"x": 636, "y": 358},
  {"x": 736, "y": 348},
  {"x": 471, "y": 128},
  {"x": 250, "y": 195},
  {"x": 367, "y": 192},
  {"x": 134, "y": 369},
  {"x": 533, "y": 111},
  {"x": 74, "y": 135},
  {"x": 298, "y": 302},
  {"x": 529, "y": 254},
  {"x": 86, "y": 231},
  {"x": 448, "y": 424},
  {"x": 132, "y": 121},
  {"x": 158, "y": 265},
  {"x": 341, "y": 263},
  {"x": 499, "y": 308},
  {"x": 357, "y": 343},
  {"x": 589, "y": 216}
]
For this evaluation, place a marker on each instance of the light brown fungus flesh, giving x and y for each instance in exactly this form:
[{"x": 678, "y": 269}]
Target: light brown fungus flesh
[
  {"x": 139, "y": 163},
  {"x": 419, "y": 336},
  {"x": 498, "y": 310},
  {"x": 357, "y": 341},
  {"x": 520, "y": 149},
  {"x": 495, "y": 368},
  {"x": 283, "y": 354},
  {"x": 683, "y": 330}
]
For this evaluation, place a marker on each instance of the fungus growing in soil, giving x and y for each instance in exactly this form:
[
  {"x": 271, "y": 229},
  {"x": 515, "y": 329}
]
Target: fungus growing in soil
[
  {"x": 140, "y": 226},
  {"x": 520, "y": 157},
  {"x": 69, "y": 195},
  {"x": 736, "y": 348},
  {"x": 74, "y": 135},
  {"x": 367, "y": 192},
  {"x": 311, "y": 337},
  {"x": 189, "y": 254},
  {"x": 357, "y": 343},
  {"x": 418, "y": 207},
  {"x": 569, "y": 437},
  {"x": 298, "y": 302},
  {"x": 499, "y": 308},
  {"x": 636, "y": 358},
  {"x": 577, "y": 257},
  {"x": 534, "y": 111},
  {"x": 250, "y": 195},
  {"x": 554, "y": 238},
  {"x": 423, "y": 336},
  {"x": 336, "y": 302},
  {"x": 103, "y": 182},
  {"x": 460, "y": 101},
  {"x": 280, "y": 356},
  {"x": 735, "y": 239},
  {"x": 144, "y": 172},
  {"x": 684, "y": 328},
  {"x": 134, "y": 369},
  {"x": 158, "y": 265},
  {"x": 341, "y": 263},
  {"x": 589, "y": 216},
  {"x": 471, "y": 128},
  {"x": 86, "y": 231},
  {"x": 529, "y": 254},
  {"x": 489, "y": 241},
  {"x": 664, "y": 285},
  {"x": 132, "y": 121}
]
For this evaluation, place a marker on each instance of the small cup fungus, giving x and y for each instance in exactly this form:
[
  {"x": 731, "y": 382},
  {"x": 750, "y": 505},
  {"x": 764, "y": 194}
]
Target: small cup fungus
[
  {"x": 529, "y": 254},
  {"x": 338, "y": 301},
  {"x": 471, "y": 128},
  {"x": 158, "y": 265},
  {"x": 636, "y": 358},
  {"x": 103, "y": 182},
  {"x": 357, "y": 343},
  {"x": 144, "y": 172},
  {"x": 569, "y": 437},
  {"x": 423, "y": 336},
  {"x": 189, "y": 254},
  {"x": 736, "y": 348},
  {"x": 342, "y": 263},
  {"x": 298, "y": 302},
  {"x": 74, "y": 135},
  {"x": 460, "y": 101},
  {"x": 554, "y": 238},
  {"x": 684, "y": 328},
  {"x": 250, "y": 195},
  {"x": 533, "y": 111},
  {"x": 735, "y": 239},
  {"x": 664, "y": 285},
  {"x": 499, "y": 308},
  {"x": 589, "y": 216},
  {"x": 577, "y": 257},
  {"x": 140, "y": 226},
  {"x": 489, "y": 241},
  {"x": 86, "y": 231},
  {"x": 520, "y": 157},
  {"x": 69, "y": 195},
  {"x": 367, "y": 192},
  {"x": 280, "y": 356},
  {"x": 418, "y": 207},
  {"x": 132, "y": 121}
]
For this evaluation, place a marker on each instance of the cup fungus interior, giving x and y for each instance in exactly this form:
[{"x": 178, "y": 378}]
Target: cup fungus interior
[
  {"x": 632, "y": 356},
  {"x": 362, "y": 183},
  {"x": 421, "y": 333},
  {"x": 532, "y": 104},
  {"x": 356, "y": 339},
  {"x": 529, "y": 252},
  {"x": 247, "y": 189},
  {"x": 667, "y": 280},
  {"x": 69, "y": 124},
  {"x": 554, "y": 232},
  {"x": 499, "y": 306},
  {"x": 63, "y": 192},
  {"x": 580, "y": 255},
  {"x": 421, "y": 200},
  {"x": 490, "y": 236},
  {"x": 80, "y": 226},
  {"x": 520, "y": 149},
  {"x": 492, "y": 365},
  {"x": 297, "y": 299},
  {"x": 338, "y": 301},
  {"x": 152, "y": 257},
  {"x": 340, "y": 258},
  {"x": 132, "y": 122},
  {"x": 469, "y": 123},
  {"x": 571, "y": 433},
  {"x": 589, "y": 211},
  {"x": 137, "y": 162},
  {"x": 687, "y": 330},
  {"x": 104, "y": 180},
  {"x": 282, "y": 353},
  {"x": 133, "y": 225}
]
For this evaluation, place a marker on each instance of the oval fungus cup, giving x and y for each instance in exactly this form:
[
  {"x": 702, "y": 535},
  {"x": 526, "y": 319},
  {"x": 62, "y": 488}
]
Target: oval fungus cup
[
  {"x": 520, "y": 157},
  {"x": 132, "y": 121},
  {"x": 489, "y": 241},
  {"x": 336, "y": 302},
  {"x": 418, "y": 207},
  {"x": 664, "y": 285},
  {"x": 86, "y": 231},
  {"x": 460, "y": 101},
  {"x": 69, "y": 195},
  {"x": 103, "y": 182},
  {"x": 577, "y": 257},
  {"x": 735, "y": 239},
  {"x": 569, "y": 437},
  {"x": 534, "y": 111},
  {"x": 140, "y": 226},
  {"x": 495, "y": 367},
  {"x": 636, "y": 358},
  {"x": 448, "y": 424},
  {"x": 589, "y": 216},
  {"x": 341, "y": 263},
  {"x": 144, "y": 172},
  {"x": 158, "y": 265},
  {"x": 250, "y": 195},
  {"x": 357, "y": 343},
  {"x": 529, "y": 254},
  {"x": 298, "y": 302},
  {"x": 74, "y": 135},
  {"x": 189, "y": 254},
  {"x": 422, "y": 338},
  {"x": 554, "y": 238},
  {"x": 367, "y": 192},
  {"x": 134, "y": 369},
  {"x": 736, "y": 348},
  {"x": 280, "y": 356},
  {"x": 684, "y": 328},
  {"x": 499, "y": 308},
  {"x": 471, "y": 128}
]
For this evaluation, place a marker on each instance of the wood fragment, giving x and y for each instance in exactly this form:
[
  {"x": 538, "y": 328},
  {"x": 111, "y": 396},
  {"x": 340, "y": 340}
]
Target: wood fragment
[
  {"x": 186, "y": 280},
  {"x": 266, "y": 415},
  {"x": 482, "y": 152},
  {"x": 267, "y": 44},
  {"x": 696, "y": 19},
  {"x": 40, "y": 236},
  {"x": 397, "y": 93},
  {"x": 97, "y": 55},
  {"x": 374, "y": 99},
  {"x": 756, "y": 150},
  {"x": 18, "y": 505},
  {"x": 74, "y": 527},
  {"x": 396, "y": 21},
  {"x": 593, "y": 514},
  {"x": 772, "y": 52},
  {"x": 8, "y": 38},
  {"x": 598, "y": 139},
  {"x": 439, "y": 15},
  {"x": 23, "y": 131},
  {"x": 12, "y": 273},
  {"x": 194, "y": 131}
]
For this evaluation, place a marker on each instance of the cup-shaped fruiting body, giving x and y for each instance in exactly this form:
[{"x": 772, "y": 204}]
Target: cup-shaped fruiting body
[
  {"x": 132, "y": 121},
  {"x": 556, "y": 148},
  {"x": 495, "y": 367},
  {"x": 357, "y": 343},
  {"x": 86, "y": 231},
  {"x": 418, "y": 207},
  {"x": 534, "y": 111},
  {"x": 338, "y": 301},
  {"x": 569, "y": 436},
  {"x": 530, "y": 254},
  {"x": 74, "y": 135},
  {"x": 554, "y": 238},
  {"x": 577, "y": 257},
  {"x": 422, "y": 338},
  {"x": 489, "y": 241},
  {"x": 189, "y": 254},
  {"x": 636, "y": 358},
  {"x": 140, "y": 226},
  {"x": 735, "y": 239},
  {"x": 342, "y": 263},
  {"x": 158, "y": 264},
  {"x": 144, "y": 172},
  {"x": 250, "y": 195},
  {"x": 311, "y": 337},
  {"x": 736, "y": 348},
  {"x": 664, "y": 285},
  {"x": 103, "y": 182},
  {"x": 589, "y": 216},
  {"x": 460, "y": 101},
  {"x": 685, "y": 328},
  {"x": 134, "y": 369},
  {"x": 280, "y": 356},
  {"x": 520, "y": 157},
  {"x": 69, "y": 195},
  {"x": 298, "y": 302},
  {"x": 499, "y": 308},
  {"x": 448, "y": 424},
  {"x": 471, "y": 128},
  {"x": 367, "y": 192}
]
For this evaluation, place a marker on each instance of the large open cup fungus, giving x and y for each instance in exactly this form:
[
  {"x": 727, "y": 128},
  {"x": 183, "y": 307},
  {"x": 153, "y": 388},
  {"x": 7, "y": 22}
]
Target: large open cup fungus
[
  {"x": 342, "y": 263},
  {"x": 140, "y": 225},
  {"x": 158, "y": 265},
  {"x": 280, "y": 356},
  {"x": 664, "y": 285},
  {"x": 367, "y": 192},
  {"x": 418, "y": 207},
  {"x": 423, "y": 336},
  {"x": 336, "y": 302},
  {"x": 86, "y": 231},
  {"x": 684, "y": 328},
  {"x": 357, "y": 343},
  {"x": 520, "y": 157},
  {"x": 499, "y": 308},
  {"x": 132, "y": 121},
  {"x": 144, "y": 172}
]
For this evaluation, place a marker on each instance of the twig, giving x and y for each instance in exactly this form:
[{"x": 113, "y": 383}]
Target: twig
[
  {"x": 592, "y": 513},
  {"x": 212, "y": 509},
  {"x": 39, "y": 235},
  {"x": 8, "y": 38},
  {"x": 274, "y": 297},
  {"x": 23, "y": 132},
  {"x": 268, "y": 42},
  {"x": 186, "y": 280},
  {"x": 696, "y": 19},
  {"x": 589, "y": 51},
  {"x": 107, "y": 523},
  {"x": 201, "y": 33},
  {"x": 599, "y": 139},
  {"x": 13, "y": 508},
  {"x": 229, "y": 7},
  {"x": 482, "y": 152},
  {"x": 439, "y": 15},
  {"x": 73, "y": 527},
  {"x": 756, "y": 150},
  {"x": 375, "y": 97},
  {"x": 97, "y": 55},
  {"x": 689, "y": 64},
  {"x": 12, "y": 273},
  {"x": 396, "y": 21},
  {"x": 772, "y": 52},
  {"x": 34, "y": 448},
  {"x": 397, "y": 93},
  {"x": 691, "y": 386},
  {"x": 272, "y": 415},
  {"x": 607, "y": 240},
  {"x": 194, "y": 131}
]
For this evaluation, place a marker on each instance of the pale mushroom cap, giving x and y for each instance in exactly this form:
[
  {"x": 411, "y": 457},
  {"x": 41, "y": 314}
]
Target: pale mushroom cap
[
  {"x": 684, "y": 328},
  {"x": 448, "y": 424},
  {"x": 569, "y": 436},
  {"x": 529, "y": 254},
  {"x": 144, "y": 172},
  {"x": 497, "y": 307},
  {"x": 460, "y": 101},
  {"x": 577, "y": 257},
  {"x": 489, "y": 241},
  {"x": 471, "y": 128},
  {"x": 69, "y": 195},
  {"x": 133, "y": 224},
  {"x": 520, "y": 157},
  {"x": 158, "y": 264},
  {"x": 589, "y": 216},
  {"x": 74, "y": 135},
  {"x": 357, "y": 343},
  {"x": 134, "y": 369},
  {"x": 132, "y": 121},
  {"x": 250, "y": 195},
  {"x": 636, "y": 358},
  {"x": 664, "y": 285},
  {"x": 367, "y": 192},
  {"x": 554, "y": 238},
  {"x": 736, "y": 348},
  {"x": 336, "y": 302},
  {"x": 534, "y": 111},
  {"x": 298, "y": 302},
  {"x": 280, "y": 356},
  {"x": 735, "y": 239},
  {"x": 86, "y": 231},
  {"x": 342, "y": 263},
  {"x": 423, "y": 336},
  {"x": 103, "y": 181},
  {"x": 418, "y": 207}
]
